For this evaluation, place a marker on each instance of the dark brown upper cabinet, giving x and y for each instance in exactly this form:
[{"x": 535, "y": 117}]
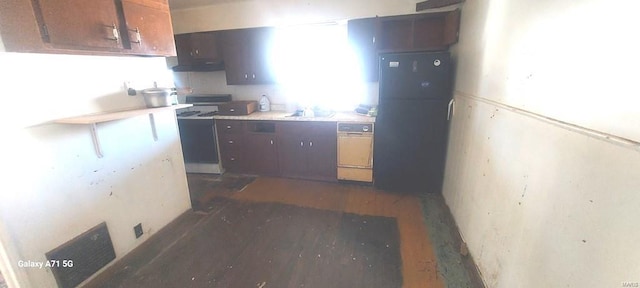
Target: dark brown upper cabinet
[
  {"x": 403, "y": 33},
  {"x": 245, "y": 54},
  {"x": 199, "y": 52},
  {"x": 362, "y": 37},
  {"x": 418, "y": 32},
  {"x": 100, "y": 27}
]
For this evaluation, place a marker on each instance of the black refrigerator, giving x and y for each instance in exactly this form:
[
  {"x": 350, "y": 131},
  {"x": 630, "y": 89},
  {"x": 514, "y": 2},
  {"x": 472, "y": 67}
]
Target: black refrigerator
[{"x": 411, "y": 128}]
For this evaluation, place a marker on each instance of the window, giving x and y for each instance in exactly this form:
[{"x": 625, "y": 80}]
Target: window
[{"x": 316, "y": 67}]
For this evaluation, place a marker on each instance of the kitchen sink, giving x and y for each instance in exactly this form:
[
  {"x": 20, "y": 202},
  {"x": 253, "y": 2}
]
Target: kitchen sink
[{"x": 316, "y": 114}]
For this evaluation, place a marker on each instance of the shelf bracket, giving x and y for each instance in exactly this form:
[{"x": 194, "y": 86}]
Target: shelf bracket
[
  {"x": 96, "y": 141},
  {"x": 152, "y": 121}
]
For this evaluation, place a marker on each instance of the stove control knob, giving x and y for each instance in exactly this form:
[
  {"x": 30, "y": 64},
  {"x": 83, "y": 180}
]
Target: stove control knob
[{"x": 365, "y": 128}]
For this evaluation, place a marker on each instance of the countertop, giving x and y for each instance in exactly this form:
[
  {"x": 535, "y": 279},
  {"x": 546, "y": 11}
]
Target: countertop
[{"x": 284, "y": 116}]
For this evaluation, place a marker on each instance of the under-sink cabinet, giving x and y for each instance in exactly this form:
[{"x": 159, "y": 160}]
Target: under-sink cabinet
[{"x": 307, "y": 150}]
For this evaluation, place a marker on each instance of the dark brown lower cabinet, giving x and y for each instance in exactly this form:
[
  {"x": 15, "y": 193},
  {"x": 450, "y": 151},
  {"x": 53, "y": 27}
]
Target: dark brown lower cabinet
[
  {"x": 231, "y": 143},
  {"x": 308, "y": 150},
  {"x": 291, "y": 153},
  {"x": 261, "y": 154},
  {"x": 322, "y": 153},
  {"x": 304, "y": 150}
]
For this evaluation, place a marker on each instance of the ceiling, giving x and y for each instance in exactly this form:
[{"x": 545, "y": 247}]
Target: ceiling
[{"x": 184, "y": 4}]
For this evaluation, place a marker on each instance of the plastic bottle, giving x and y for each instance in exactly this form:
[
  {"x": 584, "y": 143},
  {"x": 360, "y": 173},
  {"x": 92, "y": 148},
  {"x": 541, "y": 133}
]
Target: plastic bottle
[{"x": 265, "y": 104}]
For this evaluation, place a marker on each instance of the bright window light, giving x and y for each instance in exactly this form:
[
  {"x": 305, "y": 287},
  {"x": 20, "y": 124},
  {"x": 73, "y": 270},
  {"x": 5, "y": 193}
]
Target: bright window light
[{"x": 316, "y": 67}]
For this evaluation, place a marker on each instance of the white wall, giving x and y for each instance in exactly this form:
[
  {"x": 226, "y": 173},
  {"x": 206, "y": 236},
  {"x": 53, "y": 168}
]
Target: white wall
[
  {"x": 54, "y": 185},
  {"x": 573, "y": 61},
  {"x": 541, "y": 203}
]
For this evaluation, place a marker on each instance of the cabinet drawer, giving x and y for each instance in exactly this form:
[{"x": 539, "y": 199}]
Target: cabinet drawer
[
  {"x": 229, "y": 127},
  {"x": 355, "y": 174},
  {"x": 232, "y": 161},
  {"x": 230, "y": 142},
  {"x": 238, "y": 108}
]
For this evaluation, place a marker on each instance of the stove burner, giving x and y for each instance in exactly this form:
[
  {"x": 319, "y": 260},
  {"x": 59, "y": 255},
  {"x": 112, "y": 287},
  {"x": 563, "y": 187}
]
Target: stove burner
[
  {"x": 208, "y": 114},
  {"x": 188, "y": 113}
]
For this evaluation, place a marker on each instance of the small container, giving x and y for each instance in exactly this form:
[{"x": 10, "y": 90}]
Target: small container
[
  {"x": 158, "y": 97},
  {"x": 308, "y": 112},
  {"x": 265, "y": 104}
]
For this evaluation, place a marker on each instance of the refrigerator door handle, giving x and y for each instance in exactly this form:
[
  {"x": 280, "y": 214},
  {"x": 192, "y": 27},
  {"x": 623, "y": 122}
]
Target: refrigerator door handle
[{"x": 450, "y": 109}]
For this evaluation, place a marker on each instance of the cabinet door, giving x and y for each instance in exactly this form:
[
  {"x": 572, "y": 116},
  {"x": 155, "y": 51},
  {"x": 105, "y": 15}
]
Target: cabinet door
[
  {"x": 291, "y": 149},
  {"x": 246, "y": 56},
  {"x": 418, "y": 32},
  {"x": 260, "y": 40},
  {"x": 234, "y": 51},
  {"x": 291, "y": 153},
  {"x": 198, "y": 48},
  {"x": 362, "y": 38},
  {"x": 148, "y": 29},
  {"x": 77, "y": 24},
  {"x": 396, "y": 33},
  {"x": 205, "y": 48},
  {"x": 321, "y": 152},
  {"x": 183, "y": 49},
  {"x": 308, "y": 150},
  {"x": 261, "y": 154}
]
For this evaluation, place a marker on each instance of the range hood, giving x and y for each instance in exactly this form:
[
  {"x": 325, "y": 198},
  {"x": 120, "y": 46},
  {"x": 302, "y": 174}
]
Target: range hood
[{"x": 209, "y": 66}]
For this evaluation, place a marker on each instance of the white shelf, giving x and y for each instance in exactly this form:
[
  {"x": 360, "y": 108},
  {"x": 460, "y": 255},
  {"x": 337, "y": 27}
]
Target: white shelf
[
  {"x": 116, "y": 115},
  {"x": 93, "y": 119}
]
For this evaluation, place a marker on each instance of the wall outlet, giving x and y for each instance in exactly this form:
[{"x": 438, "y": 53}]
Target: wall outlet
[{"x": 138, "y": 230}]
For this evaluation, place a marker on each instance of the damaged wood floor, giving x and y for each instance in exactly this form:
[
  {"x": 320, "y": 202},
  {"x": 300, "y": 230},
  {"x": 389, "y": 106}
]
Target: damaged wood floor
[{"x": 187, "y": 248}]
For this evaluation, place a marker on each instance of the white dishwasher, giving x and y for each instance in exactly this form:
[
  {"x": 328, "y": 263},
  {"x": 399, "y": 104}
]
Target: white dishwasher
[{"x": 355, "y": 151}]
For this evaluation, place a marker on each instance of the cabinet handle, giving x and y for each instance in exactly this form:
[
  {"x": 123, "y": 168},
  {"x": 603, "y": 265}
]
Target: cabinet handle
[
  {"x": 230, "y": 141},
  {"x": 450, "y": 109},
  {"x": 191, "y": 53},
  {"x": 253, "y": 76},
  {"x": 228, "y": 126},
  {"x": 138, "y": 38},
  {"x": 373, "y": 40},
  {"x": 246, "y": 76},
  {"x": 114, "y": 32},
  {"x": 310, "y": 143},
  {"x": 197, "y": 52},
  {"x": 232, "y": 110},
  {"x": 301, "y": 144},
  {"x": 271, "y": 142},
  {"x": 232, "y": 159}
]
